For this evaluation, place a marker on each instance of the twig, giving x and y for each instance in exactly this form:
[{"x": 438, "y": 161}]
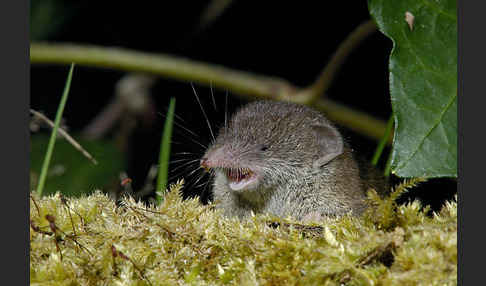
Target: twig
[
  {"x": 38, "y": 229},
  {"x": 68, "y": 210},
  {"x": 242, "y": 83},
  {"x": 52, "y": 225},
  {"x": 65, "y": 135},
  {"x": 104, "y": 120},
  {"x": 36, "y": 206},
  {"x": 132, "y": 97},
  {"x": 64, "y": 201},
  {"x": 355, "y": 120},
  {"x": 213, "y": 10},
  {"x": 160, "y": 64},
  {"x": 325, "y": 78},
  {"x": 116, "y": 253}
]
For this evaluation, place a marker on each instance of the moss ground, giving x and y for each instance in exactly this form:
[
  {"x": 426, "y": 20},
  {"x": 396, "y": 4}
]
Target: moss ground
[{"x": 91, "y": 241}]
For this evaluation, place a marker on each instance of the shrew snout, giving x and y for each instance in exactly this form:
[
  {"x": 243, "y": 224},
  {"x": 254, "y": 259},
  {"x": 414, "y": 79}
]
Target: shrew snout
[{"x": 238, "y": 178}]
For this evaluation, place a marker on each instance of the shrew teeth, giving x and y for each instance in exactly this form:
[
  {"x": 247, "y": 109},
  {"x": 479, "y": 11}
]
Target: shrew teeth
[{"x": 237, "y": 174}]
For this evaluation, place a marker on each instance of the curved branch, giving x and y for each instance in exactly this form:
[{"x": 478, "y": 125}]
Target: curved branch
[
  {"x": 165, "y": 65},
  {"x": 325, "y": 78},
  {"x": 245, "y": 84},
  {"x": 355, "y": 120}
]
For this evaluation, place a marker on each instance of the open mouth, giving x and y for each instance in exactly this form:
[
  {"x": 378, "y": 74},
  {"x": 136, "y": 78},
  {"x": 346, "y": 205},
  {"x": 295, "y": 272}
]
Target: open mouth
[{"x": 240, "y": 178}]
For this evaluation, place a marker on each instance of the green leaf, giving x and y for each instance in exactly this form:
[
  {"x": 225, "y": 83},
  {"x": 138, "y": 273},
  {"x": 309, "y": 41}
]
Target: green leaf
[
  {"x": 423, "y": 84},
  {"x": 70, "y": 172}
]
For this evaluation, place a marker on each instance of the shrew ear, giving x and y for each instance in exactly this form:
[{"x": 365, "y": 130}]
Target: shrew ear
[{"x": 329, "y": 142}]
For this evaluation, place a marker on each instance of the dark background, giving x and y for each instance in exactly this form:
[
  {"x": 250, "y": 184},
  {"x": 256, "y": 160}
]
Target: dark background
[{"x": 284, "y": 39}]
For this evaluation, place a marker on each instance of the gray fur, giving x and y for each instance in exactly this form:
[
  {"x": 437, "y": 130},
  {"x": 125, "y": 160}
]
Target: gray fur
[{"x": 306, "y": 169}]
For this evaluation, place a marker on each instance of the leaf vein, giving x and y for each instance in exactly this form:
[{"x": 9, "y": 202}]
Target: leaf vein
[
  {"x": 428, "y": 133},
  {"x": 435, "y": 7},
  {"x": 419, "y": 58}
]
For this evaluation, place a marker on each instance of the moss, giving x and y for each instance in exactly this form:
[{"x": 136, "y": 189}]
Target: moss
[{"x": 185, "y": 243}]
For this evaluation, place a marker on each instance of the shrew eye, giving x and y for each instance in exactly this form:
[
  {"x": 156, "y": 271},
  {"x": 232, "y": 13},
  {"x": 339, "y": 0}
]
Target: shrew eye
[{"x": 264, "y": 148}]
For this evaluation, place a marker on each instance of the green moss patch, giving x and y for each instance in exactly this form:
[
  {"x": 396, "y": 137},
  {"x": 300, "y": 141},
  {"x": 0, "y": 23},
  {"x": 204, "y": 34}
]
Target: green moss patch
[{"x": 92, "y": 241}]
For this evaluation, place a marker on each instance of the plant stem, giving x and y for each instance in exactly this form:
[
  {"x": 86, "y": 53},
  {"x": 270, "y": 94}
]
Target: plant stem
[
  {"x": 388, "y": 166},
  {"x": 241, "y": 83},
  {"x": 164, "y": 156},
  {"x": 68, "y": 137},
  {"x": 353, "y": 119},
  {"x": 160, "y": 64},
  {"x": 52, "y": 140},
  {"x": 381, "y": 145},
  {"x": 325, "y": 78}
]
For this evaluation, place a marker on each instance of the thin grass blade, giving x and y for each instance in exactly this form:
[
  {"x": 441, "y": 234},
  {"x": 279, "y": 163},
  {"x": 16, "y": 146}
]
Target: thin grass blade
[
  {"x": 164, "y": 156},
  {"x": 384, "y": 139},
  {"x": 52, "y": 140}
]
